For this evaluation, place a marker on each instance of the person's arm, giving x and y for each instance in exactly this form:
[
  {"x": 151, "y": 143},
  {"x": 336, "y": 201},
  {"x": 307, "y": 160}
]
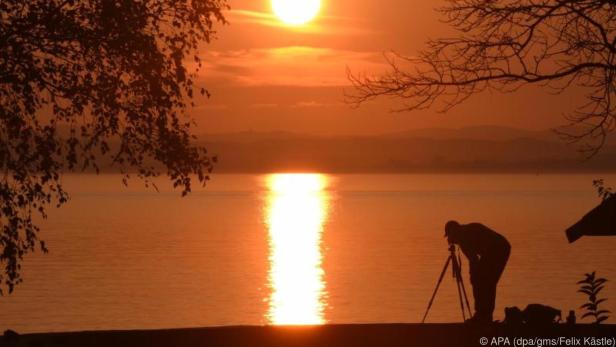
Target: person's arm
[
  {"x": 473, "y": 263},
  {"x": 473, "y": 257}
]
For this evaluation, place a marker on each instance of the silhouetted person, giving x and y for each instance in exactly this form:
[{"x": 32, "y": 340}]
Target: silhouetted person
[{"x": 487, "y": 252}]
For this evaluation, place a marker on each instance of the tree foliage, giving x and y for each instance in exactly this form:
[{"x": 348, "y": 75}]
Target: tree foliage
[
  {"x": 85, "y": 82},
  {"x": 506, "y": 44}
]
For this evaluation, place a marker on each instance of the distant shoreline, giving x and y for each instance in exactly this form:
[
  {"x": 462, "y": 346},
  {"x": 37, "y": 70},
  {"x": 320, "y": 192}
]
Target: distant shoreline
[
  {"x": 465, "y": 150},
  {"x": 373, "y": 172},
  {"x": 372, "y": 335}
]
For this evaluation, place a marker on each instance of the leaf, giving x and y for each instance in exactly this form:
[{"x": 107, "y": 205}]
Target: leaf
[
  {"x": 589, "y": 288},
  {"x": 588, "y": 314},
  {"x": 602, "y": 319},
  {"x": 585, "y": 291}
]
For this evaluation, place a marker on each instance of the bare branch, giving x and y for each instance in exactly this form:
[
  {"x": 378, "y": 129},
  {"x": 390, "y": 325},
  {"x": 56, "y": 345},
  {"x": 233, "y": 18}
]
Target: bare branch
[{"x": 504, "y": 45}]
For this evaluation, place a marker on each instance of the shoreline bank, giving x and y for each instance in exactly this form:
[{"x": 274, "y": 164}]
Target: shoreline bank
[{"x": 327, "y": 335}]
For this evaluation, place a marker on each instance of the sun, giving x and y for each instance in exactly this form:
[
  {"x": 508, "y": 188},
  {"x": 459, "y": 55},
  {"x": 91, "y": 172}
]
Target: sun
[{"x": 296, "y": 12}]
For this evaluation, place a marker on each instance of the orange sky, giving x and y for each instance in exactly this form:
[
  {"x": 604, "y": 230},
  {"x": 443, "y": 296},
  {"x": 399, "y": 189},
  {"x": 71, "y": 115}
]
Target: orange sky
[{"x": 265, "y": 76}]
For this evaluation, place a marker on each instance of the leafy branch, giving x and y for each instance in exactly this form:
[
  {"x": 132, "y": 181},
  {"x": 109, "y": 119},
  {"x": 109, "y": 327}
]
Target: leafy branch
[{"x": 92, "y": 83}]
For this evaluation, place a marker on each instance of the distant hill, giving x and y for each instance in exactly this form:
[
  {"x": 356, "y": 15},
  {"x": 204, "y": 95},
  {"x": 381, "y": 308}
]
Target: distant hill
[
  {"x": 473, "y": 149},
  {"x": 486, "y": 133}
]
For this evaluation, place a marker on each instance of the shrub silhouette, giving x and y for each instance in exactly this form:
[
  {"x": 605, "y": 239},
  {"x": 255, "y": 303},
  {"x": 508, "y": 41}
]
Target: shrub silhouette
[
  {"x": 603, "y": 191},
  {"x": 592, "y": 286}
]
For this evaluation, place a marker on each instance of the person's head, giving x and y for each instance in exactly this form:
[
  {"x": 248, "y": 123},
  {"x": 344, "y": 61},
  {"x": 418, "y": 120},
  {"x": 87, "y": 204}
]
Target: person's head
[{"x": 451, "y": 231}]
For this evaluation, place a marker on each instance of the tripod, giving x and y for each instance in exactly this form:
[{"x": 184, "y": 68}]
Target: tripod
[{"x": 457, "y": 274}]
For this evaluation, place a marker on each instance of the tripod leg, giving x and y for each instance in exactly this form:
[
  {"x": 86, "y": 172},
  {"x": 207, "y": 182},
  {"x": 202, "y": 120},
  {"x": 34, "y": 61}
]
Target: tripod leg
[
  {"x": 468, "y": 305},
  {"x": 456, "y": 270},
  {"x": 440, "y": 279}
]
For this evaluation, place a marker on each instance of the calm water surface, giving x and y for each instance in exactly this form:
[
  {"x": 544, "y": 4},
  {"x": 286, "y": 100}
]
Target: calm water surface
[{"x": 297, "y": 249}]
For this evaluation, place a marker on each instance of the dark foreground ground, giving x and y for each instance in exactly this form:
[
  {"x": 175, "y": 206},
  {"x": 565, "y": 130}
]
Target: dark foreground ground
[{"x": 374, "y": 335}]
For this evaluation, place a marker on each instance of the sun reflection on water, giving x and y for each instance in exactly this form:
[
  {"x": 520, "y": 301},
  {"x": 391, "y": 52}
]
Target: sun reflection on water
[{"x": 297, "y": 207}]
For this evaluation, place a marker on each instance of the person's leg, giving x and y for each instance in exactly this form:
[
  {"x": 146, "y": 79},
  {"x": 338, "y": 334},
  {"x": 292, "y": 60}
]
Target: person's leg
[
  {"x": 490, "y": 299},
  {"x": 500, "y": 262},
  {"x": 480, "y": 280},
  {"x": 483, "y": 294},
  {"x": 495, "y": 265},
  {"x": 474, "y": 282}
]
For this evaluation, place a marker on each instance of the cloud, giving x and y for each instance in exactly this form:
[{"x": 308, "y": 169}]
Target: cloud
[
  {"x": 324, "y": 25},
  {"x": 264, "y": 105},
  {"x": 289, "y": 66},
  {"x": 308, "y": 104},
  {"x": 311, "y": 104},
  {"x": 253, "y": 17},
  {"x": 209, "y": 106}
]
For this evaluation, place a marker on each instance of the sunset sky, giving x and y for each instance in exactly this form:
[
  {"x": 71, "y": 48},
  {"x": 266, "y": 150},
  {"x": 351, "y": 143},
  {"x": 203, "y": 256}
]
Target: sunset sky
[{"x": 265, "y": 75}]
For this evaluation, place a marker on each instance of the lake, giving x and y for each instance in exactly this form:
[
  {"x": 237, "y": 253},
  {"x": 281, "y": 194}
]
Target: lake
[{"x": 297, "y": 249}]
